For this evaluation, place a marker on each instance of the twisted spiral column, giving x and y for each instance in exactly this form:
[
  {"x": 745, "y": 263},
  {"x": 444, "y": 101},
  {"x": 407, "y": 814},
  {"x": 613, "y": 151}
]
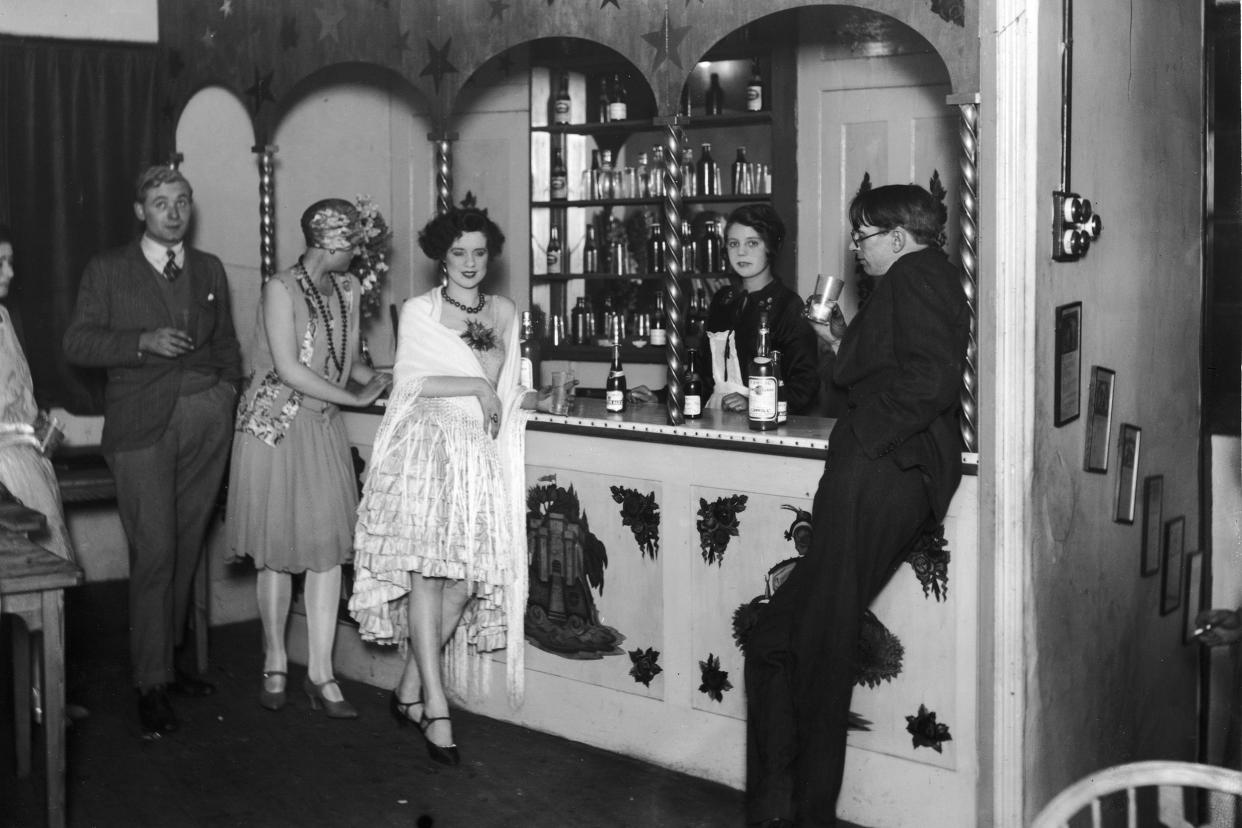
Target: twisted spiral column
[
  {"x": 675, "y": 351},
  {"x": 444, "y": 173},
  {"x": 969, "y": 395},
  {"x": 267, "y": 210}
]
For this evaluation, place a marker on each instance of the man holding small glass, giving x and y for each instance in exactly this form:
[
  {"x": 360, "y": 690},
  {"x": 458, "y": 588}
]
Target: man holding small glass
[{"x": 155, "y": 313}]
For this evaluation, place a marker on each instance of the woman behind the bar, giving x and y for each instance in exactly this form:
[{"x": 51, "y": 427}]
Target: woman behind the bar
[
  {"x": 441, "y": 537},
  {"x": 894, "y": 462},
  {"x": 753, "y": 237},
  {"x": 24, "y": 470},
  {"x": 292, "y": 490}
]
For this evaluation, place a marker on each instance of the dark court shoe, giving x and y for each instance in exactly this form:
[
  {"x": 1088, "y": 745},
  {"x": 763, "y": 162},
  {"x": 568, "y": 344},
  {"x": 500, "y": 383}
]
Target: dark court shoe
[
  {"x": 272, "y": 699},
  {"x": 444, "y": 754},
  {"x": 155, "y": 713},
  {"x": 335, "y": 709},
  {"x": 401, "y": 710},
  {"x": 191, "y": 687}
]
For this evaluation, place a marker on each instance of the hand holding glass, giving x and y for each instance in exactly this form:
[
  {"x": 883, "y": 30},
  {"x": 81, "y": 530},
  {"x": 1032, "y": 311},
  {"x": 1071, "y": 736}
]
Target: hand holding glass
[{"x": 819, "y": 305}]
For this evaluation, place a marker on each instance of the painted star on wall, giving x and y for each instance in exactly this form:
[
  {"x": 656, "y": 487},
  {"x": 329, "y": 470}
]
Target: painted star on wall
[
  {"x": 329, "y": 19},
  {"x": 667, "y": 42},
  {"x": 226, "y": 8},
  {"x": 261, "y": 90},
  {"x": 498, "y": 9},
  {"x": 438, "y": 65},
  {"x": 608, "y": 3}
]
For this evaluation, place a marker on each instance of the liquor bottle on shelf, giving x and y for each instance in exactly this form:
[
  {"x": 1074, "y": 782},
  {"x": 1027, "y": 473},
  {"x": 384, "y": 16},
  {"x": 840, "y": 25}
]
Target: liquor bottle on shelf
[
  {"x": 685, "y": 109},
  {"x": 529, "y": 351},
  {"x": 642, "y": 176},
  {"x": 710, "y": 259},
  {"x": 658, "y": 336},
  {"x": 560, "y": 176},
  {"x": 688, "y": 185},
  {"x": 614, "y": 388},
  {"x": 610, "y": 323},
  {"x": 742, "y": 184},
  {"x": 606, "y": 177},
  {"x": 603, "y": 100},
  {"x": 689, "y": 248},
  {"x": 782, "y": 403},
  {"x": 754, "y": 89},
  {"x": 696, "y": 316},
  {"x": 714, "y": 101},
  {"x": 655, "y": 247},
  {"x": 579, "y": 333},
  {"x": 592, "y": 324},
  {"x": 707, "y": 173},
  {"x": 618, "y": 101},
  {"x": 561, "y": 104},
  {"x": 590, "y": 188},
  {"x": 554, "y": 249},
  {"x": 655, "y": 178},
  {"x": 692, "y": 407},
  {"x": 590, "y": 252},
  {"x": 761, "y": 410}
]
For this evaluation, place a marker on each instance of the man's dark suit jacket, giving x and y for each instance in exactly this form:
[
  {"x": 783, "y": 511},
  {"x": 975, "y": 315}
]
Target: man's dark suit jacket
[
  {"x": 119, "y": 299},
  {"x": 901, "y": 361}
]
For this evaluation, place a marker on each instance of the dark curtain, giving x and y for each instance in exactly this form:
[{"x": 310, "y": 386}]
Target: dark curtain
[{"x": 78, "y": 121}]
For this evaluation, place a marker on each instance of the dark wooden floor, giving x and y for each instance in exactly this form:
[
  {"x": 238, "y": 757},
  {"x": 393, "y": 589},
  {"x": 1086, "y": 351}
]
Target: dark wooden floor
[{"x": 233, "y": 763}]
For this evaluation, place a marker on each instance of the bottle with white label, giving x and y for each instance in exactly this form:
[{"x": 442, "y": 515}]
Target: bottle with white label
[
  {"x": 754, "y": 89},
  {"x": 618, "y": 102},
  {"x": 614, "y": 388},
  {"x": 529, "y": 349},
  {"x": 761, "y": 412},
  {"x": 693, "y": 405}
]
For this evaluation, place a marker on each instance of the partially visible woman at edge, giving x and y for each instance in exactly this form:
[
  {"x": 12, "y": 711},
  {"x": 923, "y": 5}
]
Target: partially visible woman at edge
[
  {"x": 441, "y": 538},
  {"x": 24, "y": 470},
  {"x": 753, "y": 237},
  {"x": 292, "y": 490}
]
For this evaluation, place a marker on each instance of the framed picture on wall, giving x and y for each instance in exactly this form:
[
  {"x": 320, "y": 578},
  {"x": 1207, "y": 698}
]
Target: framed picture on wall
[
  {"x": 1194, "y": 595},
  {"x": 1127, "y": 472},
  {"x": 1099, "y": 420},
  {"x": 1171, "y": 579},
  {"x": 1153, "y": 522},
  {"x": 1068, "y": 364}
]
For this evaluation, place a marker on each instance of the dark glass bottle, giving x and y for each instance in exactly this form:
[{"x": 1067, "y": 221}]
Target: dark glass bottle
[
  {"x": 655, "y": 248},
  {"x": 685, "y": 109},
  {"x": 618, "y": 101},
  {"x": 782, "y": 403},
  {"x": 714, "y": 101},
  {"x": 761, "y": 412},
  {"x": 602, "y": 98},
  {"x": 707, "y": 173},
  {"x": 688, "y": 184},
  {"x": 560, "y": 176},
  {"x": 754, "y": 89},
  {"x": 693, "y": 405},
  {"x": 710, "y": 255},
  {"x": 614, "y": 388},
  {"x": 658, "y": 335},
  {"x": 740, "y": 179},
  {"x": 590, "y": 252},
  {"x": 561, "y": 104},
  {"x": 529, "y": 350},
  {"x": 554, "y": 250},
  {"x": 579, "y": 331},
  {"x": 689, "y": 248}
]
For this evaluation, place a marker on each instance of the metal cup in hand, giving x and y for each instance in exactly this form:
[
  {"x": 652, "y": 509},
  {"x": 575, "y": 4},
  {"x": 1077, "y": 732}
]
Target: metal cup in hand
[{"x": 820, "y": 304}]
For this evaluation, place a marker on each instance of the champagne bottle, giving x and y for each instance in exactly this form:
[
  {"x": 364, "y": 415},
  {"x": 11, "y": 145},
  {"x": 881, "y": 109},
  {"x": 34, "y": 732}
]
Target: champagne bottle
[
  {"x": 618, "y": 102},
  {"x": 554, "y": 250},
  {"x": 782, "y": 403},
  {"x": 658, "y": 336},
  {"x": 761, "y": 412},
  {"x": 560, "y": 177},
  {"x": 754, "y": 89},
  {"x": 529, "y": 350},
  {"x": 715, "y": 96},
  {"x": 614, "y": 389},
  {"x": 707, "y": 173},
  {"x": 740, "y": 177},
  {"x": 562, "y": 103},
  {"x": 693, "y": 405},
  {"x": 590, "y": 252}
]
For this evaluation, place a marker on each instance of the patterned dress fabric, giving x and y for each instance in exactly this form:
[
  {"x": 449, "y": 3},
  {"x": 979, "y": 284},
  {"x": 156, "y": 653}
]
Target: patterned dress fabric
[
  {"x": 292, "y": 487},
  {"x": 24, "y": 471}
]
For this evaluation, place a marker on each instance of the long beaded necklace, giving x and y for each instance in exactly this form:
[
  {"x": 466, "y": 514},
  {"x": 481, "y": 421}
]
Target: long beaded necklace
[
  {"x": 466, "y": 308},
  {"x": 338, "y": 359}
]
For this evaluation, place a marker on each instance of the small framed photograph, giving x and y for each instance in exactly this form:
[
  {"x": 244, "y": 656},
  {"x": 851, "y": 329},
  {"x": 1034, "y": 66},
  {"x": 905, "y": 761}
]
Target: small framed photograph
[
  {"x": 1127, "y": 472},
  {"x": 1171, "y": 580},
  {"x": 1099, "y": 420},
  {"x": 1068, "y": 364},
  {"x": 1153, "y": 523},
  {"x": 1194, "y": 595}
]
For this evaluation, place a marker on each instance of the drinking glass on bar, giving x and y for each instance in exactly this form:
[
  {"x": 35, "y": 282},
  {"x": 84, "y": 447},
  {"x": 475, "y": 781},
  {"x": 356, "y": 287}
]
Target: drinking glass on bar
[{"x": 820, "y": 303}]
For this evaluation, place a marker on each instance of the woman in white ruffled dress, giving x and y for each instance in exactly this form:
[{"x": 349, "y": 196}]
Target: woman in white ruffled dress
[{"x": 440, "y": 543}]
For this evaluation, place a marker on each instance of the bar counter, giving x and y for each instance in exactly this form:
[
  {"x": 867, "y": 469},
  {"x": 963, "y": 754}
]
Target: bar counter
[{"x": 630, "y": 625}]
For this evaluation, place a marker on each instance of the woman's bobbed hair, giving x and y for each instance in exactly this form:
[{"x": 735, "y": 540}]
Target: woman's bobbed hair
[
  {"x": 763, "y": 220},
  {"x": 438, "y": 235}
]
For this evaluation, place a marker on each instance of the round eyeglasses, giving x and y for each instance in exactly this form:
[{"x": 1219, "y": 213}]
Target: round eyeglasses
[{"x": 858, "y": 239}]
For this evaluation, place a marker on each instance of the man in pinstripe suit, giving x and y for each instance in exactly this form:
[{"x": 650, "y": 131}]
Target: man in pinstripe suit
[{"x": 155, "y": 313}]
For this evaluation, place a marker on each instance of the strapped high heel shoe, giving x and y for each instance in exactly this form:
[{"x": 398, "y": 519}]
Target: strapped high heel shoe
[
  {"x": 444, "y": 754},
  {"x": 335, "y": 709},
  {"x": 401, "y": 710},
  {"x": 269, "y": 699}
]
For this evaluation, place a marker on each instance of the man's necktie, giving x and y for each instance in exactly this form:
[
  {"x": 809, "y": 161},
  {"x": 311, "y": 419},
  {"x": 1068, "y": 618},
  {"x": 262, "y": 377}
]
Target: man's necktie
[{"x": 171, "y": 271}]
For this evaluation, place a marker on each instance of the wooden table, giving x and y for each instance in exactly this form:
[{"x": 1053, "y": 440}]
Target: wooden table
[{"x": 32, "y": 583}]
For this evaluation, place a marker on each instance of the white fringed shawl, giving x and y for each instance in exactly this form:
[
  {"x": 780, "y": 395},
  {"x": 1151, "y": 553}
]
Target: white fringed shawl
[{"x": 429, "y": 349}]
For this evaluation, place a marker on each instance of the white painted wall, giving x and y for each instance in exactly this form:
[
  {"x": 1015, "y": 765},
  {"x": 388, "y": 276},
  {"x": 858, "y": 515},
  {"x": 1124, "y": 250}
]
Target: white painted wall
[{"x": 132, "y": 20}]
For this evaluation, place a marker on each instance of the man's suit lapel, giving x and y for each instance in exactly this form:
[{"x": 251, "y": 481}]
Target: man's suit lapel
[{"x": 146, "y": 290}]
